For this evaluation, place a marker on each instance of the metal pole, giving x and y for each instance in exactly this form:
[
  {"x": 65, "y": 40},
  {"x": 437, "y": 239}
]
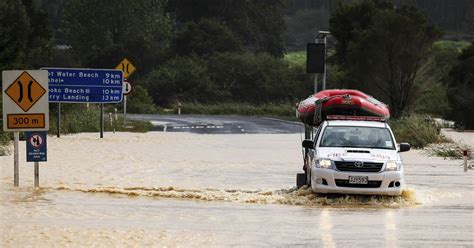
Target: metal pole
[
  {"x": 124, "y": 109},
  {"x": 16, "y": 171},
  {"x": 324, "y": 74},
  {"x": 36, "y": 174},
  {"x": 58, "y": 124},
  {"x": 316, "y": 83},
  {"x": 101, "y": 120}
]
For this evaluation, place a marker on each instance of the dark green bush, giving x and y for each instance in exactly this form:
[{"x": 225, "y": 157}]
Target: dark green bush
[
  {"x": 419, "y": 131},
  {"x": 461, "y": 90},
  {"x": 140, "y": 102},
  {"x": 227, "y": 77},
  {"x": 180, "y": 79}
]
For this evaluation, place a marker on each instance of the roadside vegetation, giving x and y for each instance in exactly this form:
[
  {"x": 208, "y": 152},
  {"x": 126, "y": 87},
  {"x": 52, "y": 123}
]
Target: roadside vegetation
[
  {"x": 77, "y": 118},
  {"x": 417, "y": 130}
]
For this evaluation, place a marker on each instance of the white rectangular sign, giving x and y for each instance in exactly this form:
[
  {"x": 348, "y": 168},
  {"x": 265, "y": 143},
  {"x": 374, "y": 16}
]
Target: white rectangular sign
[{"x": 25, "y": 100}]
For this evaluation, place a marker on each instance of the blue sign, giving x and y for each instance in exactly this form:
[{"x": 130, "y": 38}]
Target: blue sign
[
  {"x": 85, "y": 85},
  {"x": 36, "y": 146}
]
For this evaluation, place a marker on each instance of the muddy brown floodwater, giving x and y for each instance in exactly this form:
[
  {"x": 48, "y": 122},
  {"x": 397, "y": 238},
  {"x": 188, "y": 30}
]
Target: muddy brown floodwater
[{"x": 180, "y": 189}]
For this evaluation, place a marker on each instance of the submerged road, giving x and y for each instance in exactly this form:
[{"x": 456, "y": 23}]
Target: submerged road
[{"x": 220, "y": 124}]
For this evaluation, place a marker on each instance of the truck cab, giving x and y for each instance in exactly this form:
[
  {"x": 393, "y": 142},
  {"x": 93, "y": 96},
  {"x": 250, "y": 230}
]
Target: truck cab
[{"x": 354, "y": 155}]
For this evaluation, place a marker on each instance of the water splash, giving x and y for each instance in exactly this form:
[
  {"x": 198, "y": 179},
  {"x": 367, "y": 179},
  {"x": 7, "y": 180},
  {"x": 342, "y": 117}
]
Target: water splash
[{"x": 303, "y": 196}]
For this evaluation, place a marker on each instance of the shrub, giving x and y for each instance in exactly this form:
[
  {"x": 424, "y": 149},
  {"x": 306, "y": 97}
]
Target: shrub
[
  {"x": 180, "y": 79},
  {"x": 76, "y": 118},
  {"x": 4, "y": 143},
  {"x": 227, "y": 77},
  {"x": 140, "y": 102},
  {"x": 419, "y": 131}
]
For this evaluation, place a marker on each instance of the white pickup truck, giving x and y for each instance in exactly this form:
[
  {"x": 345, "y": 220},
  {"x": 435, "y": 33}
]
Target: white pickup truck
[{"x": 353, "y": 156}]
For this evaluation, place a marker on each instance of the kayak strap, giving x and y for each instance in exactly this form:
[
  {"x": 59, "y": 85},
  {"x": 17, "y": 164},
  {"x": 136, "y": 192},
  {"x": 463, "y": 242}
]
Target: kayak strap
[{"x": 318, "y": 112}]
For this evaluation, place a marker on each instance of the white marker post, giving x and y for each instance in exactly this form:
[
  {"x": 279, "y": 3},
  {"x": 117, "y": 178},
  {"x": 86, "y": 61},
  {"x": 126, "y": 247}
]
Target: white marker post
[{"x": 465, "y": 160}]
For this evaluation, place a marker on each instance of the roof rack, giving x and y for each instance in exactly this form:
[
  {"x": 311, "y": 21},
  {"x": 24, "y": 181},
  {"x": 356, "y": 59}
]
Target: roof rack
[{"x": 356, "y": 118}]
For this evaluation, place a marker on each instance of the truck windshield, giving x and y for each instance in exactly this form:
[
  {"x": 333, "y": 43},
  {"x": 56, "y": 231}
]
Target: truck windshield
[{"x": 364, "y": 137}]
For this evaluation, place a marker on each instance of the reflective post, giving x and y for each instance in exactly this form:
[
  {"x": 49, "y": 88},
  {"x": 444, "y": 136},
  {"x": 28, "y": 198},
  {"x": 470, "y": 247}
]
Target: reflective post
[{"x": 464, "y": 153}]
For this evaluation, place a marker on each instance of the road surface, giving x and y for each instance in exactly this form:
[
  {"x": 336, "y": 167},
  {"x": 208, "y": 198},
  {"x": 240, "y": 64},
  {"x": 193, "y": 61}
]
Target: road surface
[{"x": 209, "y": 124}]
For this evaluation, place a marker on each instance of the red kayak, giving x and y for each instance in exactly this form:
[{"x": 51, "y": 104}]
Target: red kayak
[{"x": 313, "y": 110}]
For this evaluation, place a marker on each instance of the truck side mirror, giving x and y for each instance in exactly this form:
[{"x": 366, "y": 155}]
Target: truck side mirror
[
  {"x": 309, "y": 144},
  {"x": 404, "y": 147}
]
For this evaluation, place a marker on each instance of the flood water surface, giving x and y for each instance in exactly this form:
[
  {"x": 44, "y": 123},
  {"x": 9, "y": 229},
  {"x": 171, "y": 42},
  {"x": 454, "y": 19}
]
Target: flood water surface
[{"x": 178, "y": 189}]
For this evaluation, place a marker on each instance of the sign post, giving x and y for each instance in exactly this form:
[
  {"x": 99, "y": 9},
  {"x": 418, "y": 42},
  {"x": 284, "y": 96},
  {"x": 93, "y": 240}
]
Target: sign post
[
  {"x": 73, "y": 85},
  {"x": 25, "y": 106},
  {"x": 16, "y": 170},
  {"x": 128, "y": 69},
  {"x": 36, "y": 151},
  {"x": 127, "y": 89}
]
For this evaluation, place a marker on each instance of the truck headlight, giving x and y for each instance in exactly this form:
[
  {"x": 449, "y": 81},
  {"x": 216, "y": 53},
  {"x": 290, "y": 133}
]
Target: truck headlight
[
  {"x": 393, "y": 166},
  {"x": 324, "y": 163}
]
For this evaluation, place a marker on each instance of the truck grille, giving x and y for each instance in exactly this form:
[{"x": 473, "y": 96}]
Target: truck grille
[
  {"x": 357, "y": 167},
  {"x": 345, "y": 183}
]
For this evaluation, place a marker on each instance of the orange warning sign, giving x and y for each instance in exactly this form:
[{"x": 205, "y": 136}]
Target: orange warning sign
[
  {"x": 25, "y": 91},
  {"x": 18, "y": 121},
  {"x": 127, "y": 68}
]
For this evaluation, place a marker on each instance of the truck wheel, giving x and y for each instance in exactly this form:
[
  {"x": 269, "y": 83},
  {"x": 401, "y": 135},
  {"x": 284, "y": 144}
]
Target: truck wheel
[{"x": 300, "y": 180}]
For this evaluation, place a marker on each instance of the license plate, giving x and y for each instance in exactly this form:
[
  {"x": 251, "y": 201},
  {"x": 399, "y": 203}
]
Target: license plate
[{"x": 358, "y": 180}]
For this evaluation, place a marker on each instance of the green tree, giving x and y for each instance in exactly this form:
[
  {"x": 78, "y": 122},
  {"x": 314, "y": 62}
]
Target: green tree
[
  {"x": 259, "y": 25},
  {"x": 205, "y": 38},
  {"x": 182, "y": 79},
  {"x": 140, "y": 102},
  {"x": 383, "y": 54},
  {"x": 303, "y": 26},
  {"x": 103, "y": 32},
  {"x": 25, "y": 35},
  {"x": 461, "y": 89},
  {"x": 257, "y": 79}
]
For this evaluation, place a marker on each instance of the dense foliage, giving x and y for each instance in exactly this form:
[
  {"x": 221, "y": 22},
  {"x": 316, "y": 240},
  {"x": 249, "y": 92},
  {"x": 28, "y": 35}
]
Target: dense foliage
[
  {"x": 102, "y": 33},
  {"x": 382, "y": 49},
  {"x": 461, "y": 89},
  {"x": 227, "y": 77}
]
